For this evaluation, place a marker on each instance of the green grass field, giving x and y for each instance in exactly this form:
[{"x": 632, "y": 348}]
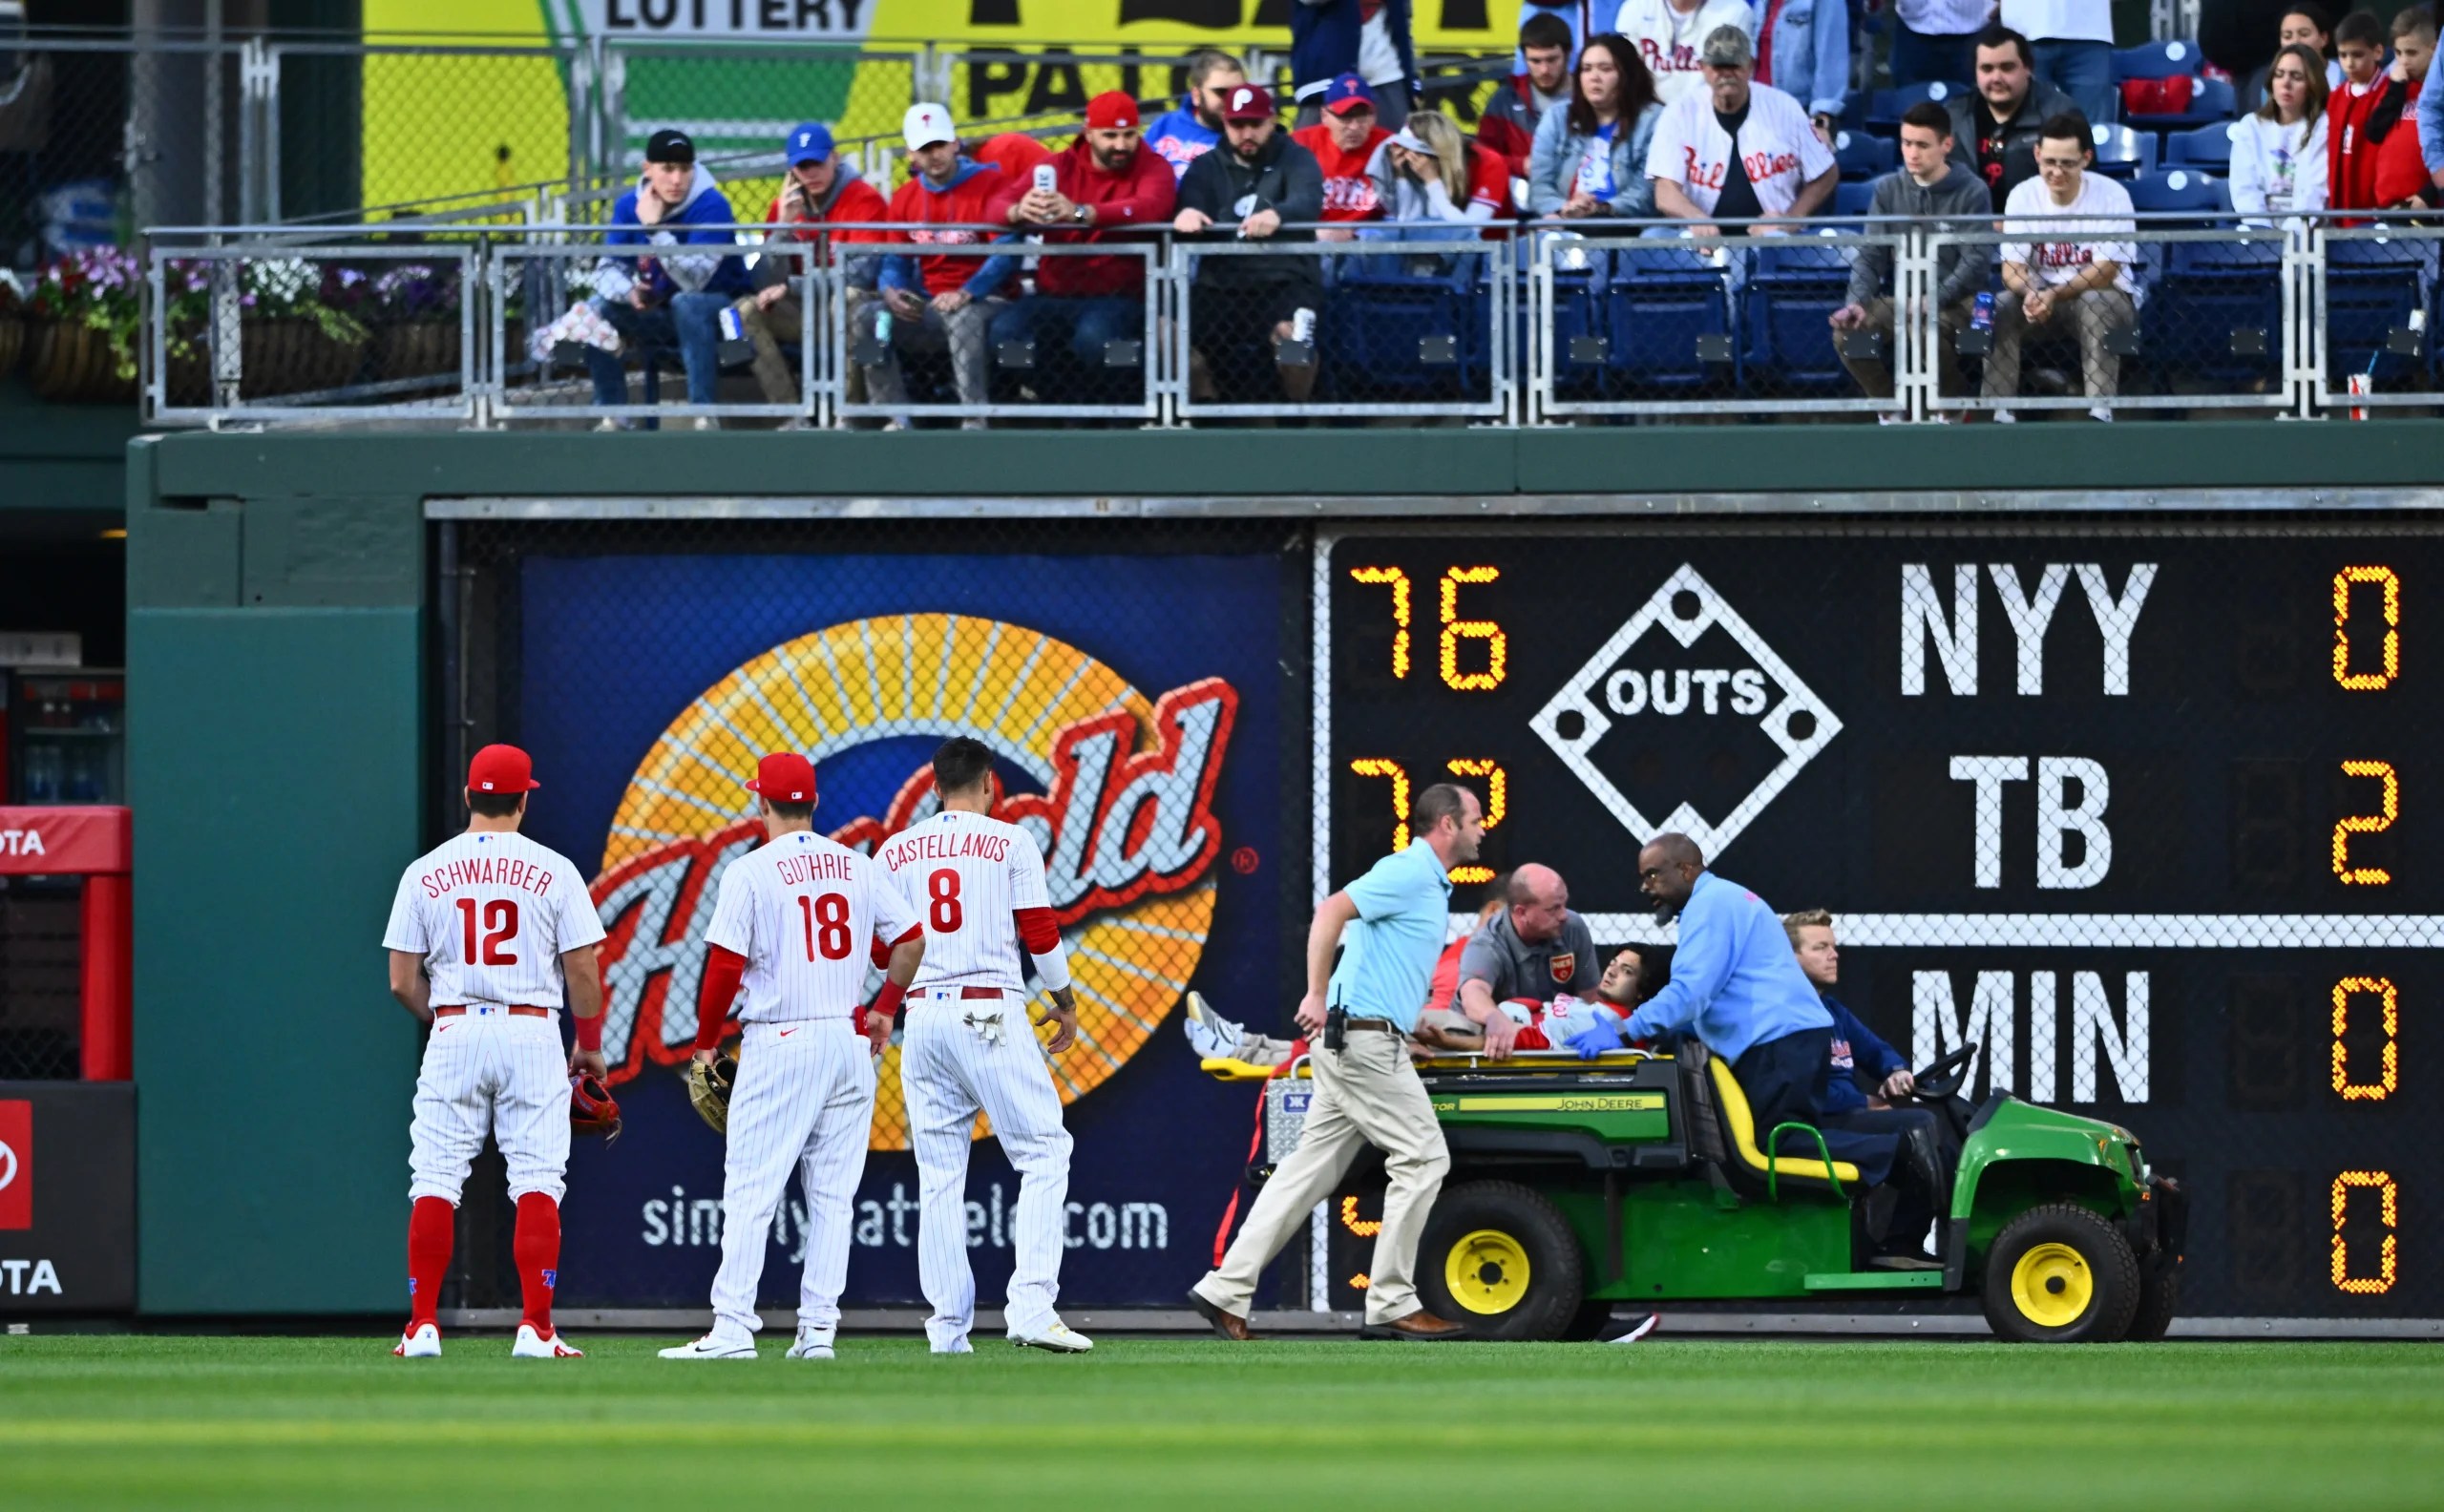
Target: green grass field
[{"x": 187, "y": 1421}]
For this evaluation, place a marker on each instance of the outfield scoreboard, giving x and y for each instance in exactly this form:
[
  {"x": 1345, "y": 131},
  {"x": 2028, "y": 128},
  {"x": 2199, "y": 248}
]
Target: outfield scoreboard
[{"x": 2136, "y": 807}]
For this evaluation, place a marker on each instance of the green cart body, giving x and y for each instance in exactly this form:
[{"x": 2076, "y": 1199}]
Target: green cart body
[{"x": 1641, "y": 1180}]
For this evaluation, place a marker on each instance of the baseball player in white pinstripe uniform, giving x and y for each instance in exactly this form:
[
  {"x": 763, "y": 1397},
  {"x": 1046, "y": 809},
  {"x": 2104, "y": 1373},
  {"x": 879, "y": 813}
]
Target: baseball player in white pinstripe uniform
[
  {"x": 793, "y": 920},
  {"x": 489, "y": 935},
  {"x": 978, "y": 885}
]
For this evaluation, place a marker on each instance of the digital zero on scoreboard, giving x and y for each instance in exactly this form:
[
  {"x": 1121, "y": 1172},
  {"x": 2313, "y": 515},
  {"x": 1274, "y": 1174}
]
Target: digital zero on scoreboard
[{"x": 2135, "y": 808}]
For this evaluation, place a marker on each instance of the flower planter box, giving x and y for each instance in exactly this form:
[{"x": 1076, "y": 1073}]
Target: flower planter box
[
  {"x": 71, "y": 363},
  {"x": 416, "y": 350},
  {"x": 289, "y": 354}
]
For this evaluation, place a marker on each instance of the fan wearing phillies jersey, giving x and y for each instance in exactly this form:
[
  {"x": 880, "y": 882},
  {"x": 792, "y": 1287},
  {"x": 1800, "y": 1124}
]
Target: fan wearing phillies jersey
[
  {"x": 794, "y": 921},
  {"x": 977, "y": 884},
  {"x": 1669, "y": 35},
  {"x": 1345, "y": 143},
  {"x": 1736, "y": 150},
  {"x": 490, "y": 934}
]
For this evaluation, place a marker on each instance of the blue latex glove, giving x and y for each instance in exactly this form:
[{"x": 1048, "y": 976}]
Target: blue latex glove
[{"x": 1594, "y": 1040}]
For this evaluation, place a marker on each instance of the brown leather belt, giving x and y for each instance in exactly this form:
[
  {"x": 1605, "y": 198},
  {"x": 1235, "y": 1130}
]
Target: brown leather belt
[
  {"x": 518, "y": 1010},
  {"x": 1385, "y": 1025}
]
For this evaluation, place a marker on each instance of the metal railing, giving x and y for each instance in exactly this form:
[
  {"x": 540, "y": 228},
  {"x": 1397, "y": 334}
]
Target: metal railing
[{"x": 2304, "y": 321}]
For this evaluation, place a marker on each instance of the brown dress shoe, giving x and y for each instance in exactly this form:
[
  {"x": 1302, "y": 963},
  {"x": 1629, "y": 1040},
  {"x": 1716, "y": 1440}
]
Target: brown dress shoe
[
  {"x": 1418, "y": 1325},
  {"x": 1230, "y": 1325}
]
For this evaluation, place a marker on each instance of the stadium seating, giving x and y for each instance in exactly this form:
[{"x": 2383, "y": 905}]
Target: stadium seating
[
  {"x": 1402, "y": 326},
  {"x": 2177, "y": 190},
  {"x": 2372, "y": 287},
  {"x": 2210, "y": 100},
  {"x": 2123, "y": 153},
  {"x": 1666, "y": 318},
  {"x": 2153, "y": 60},
  {"x": 1794, "y": 287},
  {"x": 1886, "y": 106},
  {"x": 2215, "y": 313},
  {"x": 1853, "y": 198},
  {"x": 1863, "y": 157},
  {"x": 2207, "y": 147}
]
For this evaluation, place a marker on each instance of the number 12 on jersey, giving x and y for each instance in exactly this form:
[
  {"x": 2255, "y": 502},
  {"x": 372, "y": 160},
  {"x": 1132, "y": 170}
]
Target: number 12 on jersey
[{"x": 500, "y": 923}]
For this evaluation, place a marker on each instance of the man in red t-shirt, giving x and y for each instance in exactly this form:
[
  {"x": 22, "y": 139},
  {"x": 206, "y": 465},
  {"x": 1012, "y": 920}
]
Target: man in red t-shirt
[
  {"x": 821, "y": 189},
  {"x": 1107, "y": 187},
  {"x": 940, "y": 300},
  {"x": 1344, "y": 143}
]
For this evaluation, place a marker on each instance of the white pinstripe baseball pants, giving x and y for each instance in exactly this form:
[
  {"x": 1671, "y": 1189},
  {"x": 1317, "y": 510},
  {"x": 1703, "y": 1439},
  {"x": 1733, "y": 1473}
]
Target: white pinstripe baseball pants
[
  {"x": 948, "y": 1071},
  {"x": 805, "y": 1099},
  {"x": 489, "y": 1071}
]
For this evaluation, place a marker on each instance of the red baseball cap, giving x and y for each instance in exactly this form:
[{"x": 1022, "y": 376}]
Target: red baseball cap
[
  {"x": 1111, "y": 111},
  {"x": 1248, "y": 102},
  {"x": 501, "y": 769},
  {"x": 785, "y": 776}
]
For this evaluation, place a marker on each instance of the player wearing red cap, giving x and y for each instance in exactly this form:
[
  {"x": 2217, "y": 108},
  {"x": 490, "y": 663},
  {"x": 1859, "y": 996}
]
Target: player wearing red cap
[
  {"x": 489, "y": 935},
  {"x": 794, "y": 921},
  {"x": 1107, "y": 186}
]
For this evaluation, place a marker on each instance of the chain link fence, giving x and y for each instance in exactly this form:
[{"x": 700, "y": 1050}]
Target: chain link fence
[
  {"x": 1835, "y": 322},
  {"x": 41, "y": 962}
]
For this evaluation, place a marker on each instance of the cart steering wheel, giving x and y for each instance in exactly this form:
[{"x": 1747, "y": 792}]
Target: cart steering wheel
[{"x": 1946, "y": 1075}]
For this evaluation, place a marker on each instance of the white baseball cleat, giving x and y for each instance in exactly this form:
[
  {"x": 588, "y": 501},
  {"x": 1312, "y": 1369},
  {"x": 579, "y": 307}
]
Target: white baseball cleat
[
  {"x": 957, "y": 1346},
  {"x": 531, "y": 1345},
  {"x": 712, "y": 1346},
  {"x": 1209, "y": 1035},
  {"x": 421, "y": 1342},
  {"x": 810, "y": 1345},
  {"x": 1054, "y": 1335}
]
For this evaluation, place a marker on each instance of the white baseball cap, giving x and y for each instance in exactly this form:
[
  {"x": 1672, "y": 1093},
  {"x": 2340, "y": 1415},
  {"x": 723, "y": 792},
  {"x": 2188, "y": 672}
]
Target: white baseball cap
[{"x": 927, "y": 124}]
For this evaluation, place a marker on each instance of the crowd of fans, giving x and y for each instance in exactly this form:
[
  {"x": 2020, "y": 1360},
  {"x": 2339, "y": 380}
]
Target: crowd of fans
[{"x": 1713, "y": 114}]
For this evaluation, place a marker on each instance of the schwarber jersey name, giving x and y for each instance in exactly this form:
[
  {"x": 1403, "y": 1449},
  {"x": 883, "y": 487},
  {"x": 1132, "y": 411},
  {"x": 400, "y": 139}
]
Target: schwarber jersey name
[
  {"x": 802, "y": 910},
  {"x": 492, "y": 914},
  {"x": 966, "y": 876}
]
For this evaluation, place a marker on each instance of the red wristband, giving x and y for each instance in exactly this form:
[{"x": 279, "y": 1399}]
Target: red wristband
[
  {"x": 589, "y": 1032},
  {"x": 887, "y": 1002}
]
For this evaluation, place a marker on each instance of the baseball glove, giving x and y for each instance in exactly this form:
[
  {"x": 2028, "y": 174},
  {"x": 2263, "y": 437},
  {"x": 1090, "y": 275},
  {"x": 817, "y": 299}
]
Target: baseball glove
[
  {"x": 708, "y": 1088},
  {"x": 592, "y": 1109}
]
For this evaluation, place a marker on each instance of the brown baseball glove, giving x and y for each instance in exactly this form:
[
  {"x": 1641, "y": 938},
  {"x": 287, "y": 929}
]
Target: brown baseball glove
[{"x": 709, "y": 1089}]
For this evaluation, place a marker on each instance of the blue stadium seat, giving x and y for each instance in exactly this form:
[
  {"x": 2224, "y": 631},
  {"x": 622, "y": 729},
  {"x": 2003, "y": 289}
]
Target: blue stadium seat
[
  {"x": 1794, "y": 287},
  {"x": 2177, "y": 190},
  {"x": 2371, "y": 289},
  {"x": 2215, "y": 313},
  {"x": 2153, "y": 60},
  {"x": 1661, "y": 308},
  {"x": 1863, "y": 157},
  {"x": 2212, "y": 101},
  {"x": 2207, "y": 147},
  {"x": 1885, "y": 107},
  {"x": 1402, "y": 325},
  {"x": 2122, "y": 153},
  {"x": 1853, "y": 198}
]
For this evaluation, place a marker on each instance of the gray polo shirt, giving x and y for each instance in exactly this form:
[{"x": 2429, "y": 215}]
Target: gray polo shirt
[{"x": 1510, "y": 967}]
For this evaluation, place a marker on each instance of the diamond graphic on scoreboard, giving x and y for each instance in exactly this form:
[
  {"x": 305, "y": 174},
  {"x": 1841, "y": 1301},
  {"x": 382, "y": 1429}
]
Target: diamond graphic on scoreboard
[{"x": 1615, "y": 687}]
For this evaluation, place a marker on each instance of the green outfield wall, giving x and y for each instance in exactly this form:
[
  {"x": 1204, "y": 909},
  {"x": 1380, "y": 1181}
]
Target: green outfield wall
[{"x": 279, "y": 648}]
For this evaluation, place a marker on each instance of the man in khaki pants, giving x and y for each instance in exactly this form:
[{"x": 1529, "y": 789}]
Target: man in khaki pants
[{"x": 1368, "y": 1092}]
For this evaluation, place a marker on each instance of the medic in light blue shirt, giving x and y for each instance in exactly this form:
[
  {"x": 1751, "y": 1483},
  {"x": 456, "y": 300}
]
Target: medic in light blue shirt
[{"x": 1735, "y": 984}]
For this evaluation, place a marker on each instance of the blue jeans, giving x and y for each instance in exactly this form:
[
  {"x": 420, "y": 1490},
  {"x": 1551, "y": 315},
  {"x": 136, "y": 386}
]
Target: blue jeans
[
  {"x": 688, "y": 322},
  {"x": 1919, "y": 58},
  {"x": 2084, "y": 72}
]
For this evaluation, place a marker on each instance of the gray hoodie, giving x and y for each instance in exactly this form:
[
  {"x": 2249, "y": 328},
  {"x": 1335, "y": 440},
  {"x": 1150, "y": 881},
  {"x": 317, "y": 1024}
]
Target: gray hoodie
[{"x": 1958, "y": 201}]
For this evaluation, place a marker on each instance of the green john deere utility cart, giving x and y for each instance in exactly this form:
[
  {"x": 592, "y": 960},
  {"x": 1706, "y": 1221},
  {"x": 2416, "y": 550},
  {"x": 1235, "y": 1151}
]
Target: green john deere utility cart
[{"x": 1639, "y": 1180}]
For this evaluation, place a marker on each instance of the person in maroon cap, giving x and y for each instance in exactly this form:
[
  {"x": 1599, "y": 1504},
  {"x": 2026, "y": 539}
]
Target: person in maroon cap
[
  {"x": 1264, "y": 187},
  {"x": 490, "y": 934},
  {"x": 1107, "y": 186}
]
